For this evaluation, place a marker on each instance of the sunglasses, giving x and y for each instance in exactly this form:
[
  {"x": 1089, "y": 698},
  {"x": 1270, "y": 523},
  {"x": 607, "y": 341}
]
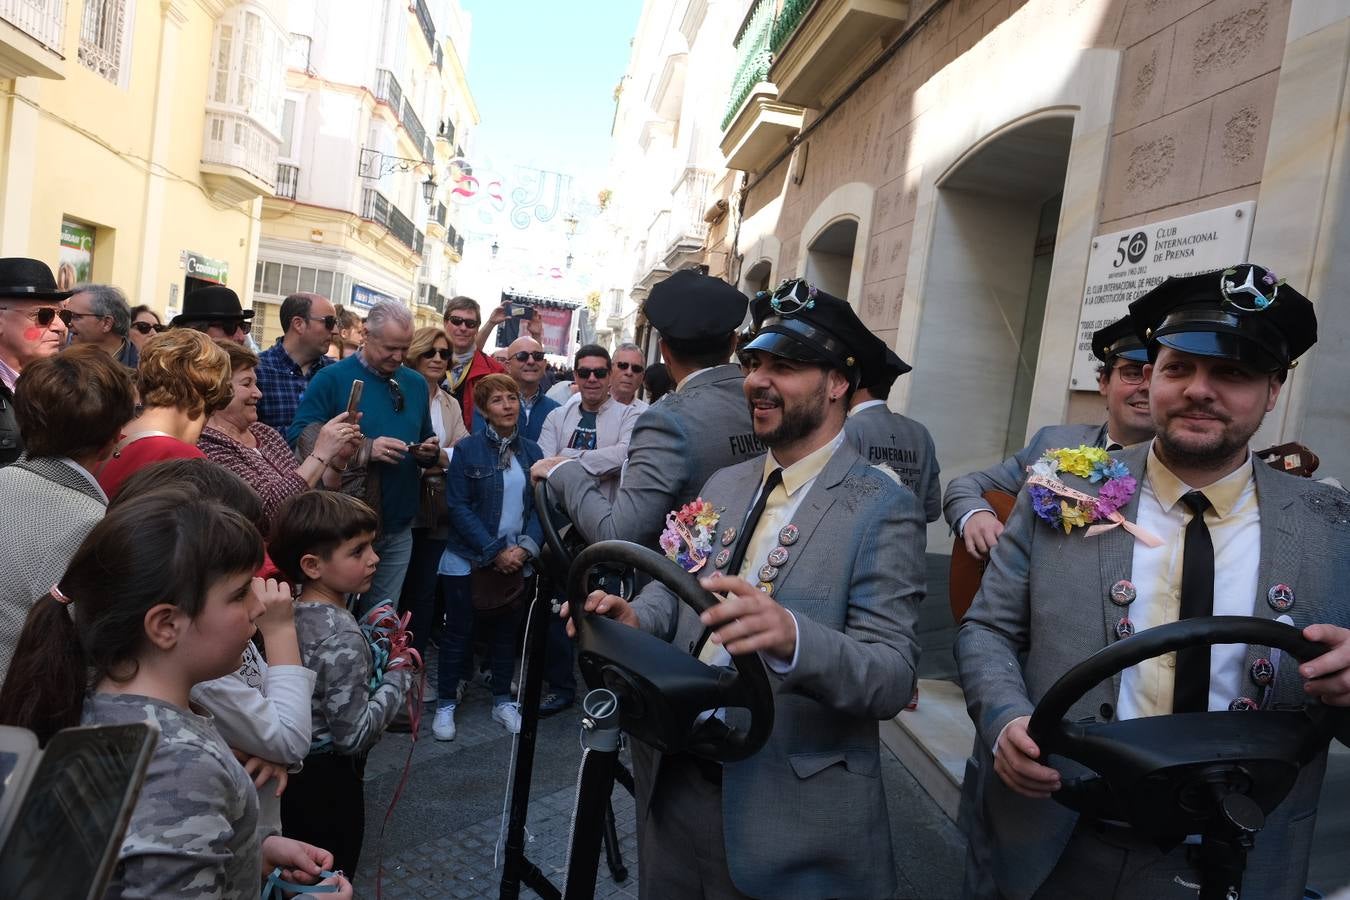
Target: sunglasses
[
  {"x": 536, "y": 355},
  {"x": 462, "y": 323},
  {"x": 396, "y": 395},
  {"x": 329, "y": 322},
  {"x": 792, "y": 297},
  {"x": 636, "y": 368},
  {"x": 44, "y": 315},
  {"x": 585, "y": 374},
  {"x": 442, "y": 352},
  {"x": 241, "y": 325},
  {"x": 147, "y": 327}
]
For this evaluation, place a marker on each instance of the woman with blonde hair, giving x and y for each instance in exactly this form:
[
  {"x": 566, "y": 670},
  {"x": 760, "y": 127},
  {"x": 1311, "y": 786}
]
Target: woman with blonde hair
[{"x": 183, "y": 377}]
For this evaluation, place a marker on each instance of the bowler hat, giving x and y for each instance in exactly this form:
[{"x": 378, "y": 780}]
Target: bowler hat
[
  {"x": 1243, "y": 313},
  {"x": 804, "y": 323},
  {"x": 1118, "y": 340},
  {"x": 209, "y": 304},
  {"x": 28, "y": 279},
  {"x": 689, "y": 306}
]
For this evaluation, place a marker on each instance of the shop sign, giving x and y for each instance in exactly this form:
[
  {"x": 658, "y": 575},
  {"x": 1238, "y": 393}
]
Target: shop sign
[
  {"x": 366, "y": 298},
  {"x": 1126, "y": 264},
  {"x": 206, "y": 268},
  {"x": 75, "y": 259}
]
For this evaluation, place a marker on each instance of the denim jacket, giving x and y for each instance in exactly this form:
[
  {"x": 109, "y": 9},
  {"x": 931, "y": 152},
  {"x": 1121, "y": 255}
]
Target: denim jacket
[{"x": 473, "y": 491}]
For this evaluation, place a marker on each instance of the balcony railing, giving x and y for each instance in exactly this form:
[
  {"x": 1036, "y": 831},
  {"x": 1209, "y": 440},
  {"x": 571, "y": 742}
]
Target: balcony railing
[
  {"x": 298, "y": 51},
  {"x": 236, "y": 140},
  {"x": 387, "y": 89},
  {"x": 686, "y": 229},
  {"x": 415, "y": 130},
  {"x": 789, "y": 17},
  {"x": 288, "y": 179},
  {"x": 419, "y": 243},
  {"x": 401, "y": 227},
  {"x": 459, "y": 245},
  {"x": 754, "y": 57},
  {"x": 438, "y": 58},
  {"x": 424, "y": 20},
  {"x": 377, "y": 208},
  {"x": 447, "y": 131},
  {"x": 42, "y": 20},
  {"x": 429, "y": 295},
  {"x": 439, "y": 213}
]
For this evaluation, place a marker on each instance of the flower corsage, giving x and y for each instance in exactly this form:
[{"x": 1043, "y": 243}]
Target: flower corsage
[
  {"x": 688, "y": 538},
  {"x": 1063, "y": 507}
]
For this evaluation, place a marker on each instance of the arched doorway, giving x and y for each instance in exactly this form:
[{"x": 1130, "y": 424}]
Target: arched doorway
[
  {"x": 996, "y": 216},
  {"x": 829, "y": 258},
  {"x": 757, "y": 278}
]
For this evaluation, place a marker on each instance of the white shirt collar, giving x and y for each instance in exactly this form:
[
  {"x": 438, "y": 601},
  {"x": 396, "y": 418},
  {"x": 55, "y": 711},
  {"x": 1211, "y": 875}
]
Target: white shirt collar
[
  {"x": 88, "y": 476},
  {"x": 866, "y": 404},
  {"x": 685, "y": 380}
]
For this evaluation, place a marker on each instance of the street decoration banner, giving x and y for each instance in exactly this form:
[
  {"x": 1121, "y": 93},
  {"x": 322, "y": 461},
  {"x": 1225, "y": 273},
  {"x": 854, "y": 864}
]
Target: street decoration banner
[{"x": 557, "y": 329}]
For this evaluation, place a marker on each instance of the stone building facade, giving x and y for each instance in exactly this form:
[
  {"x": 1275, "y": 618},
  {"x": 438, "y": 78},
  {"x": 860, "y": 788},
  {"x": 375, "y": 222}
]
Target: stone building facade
[{"x": 947, "y": 165}]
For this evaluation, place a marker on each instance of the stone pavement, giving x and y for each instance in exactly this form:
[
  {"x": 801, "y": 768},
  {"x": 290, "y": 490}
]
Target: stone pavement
[{"x": 441, "y": 838}]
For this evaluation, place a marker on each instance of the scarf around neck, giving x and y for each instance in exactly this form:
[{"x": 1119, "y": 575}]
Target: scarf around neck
[{"x": 503, "y": 445}]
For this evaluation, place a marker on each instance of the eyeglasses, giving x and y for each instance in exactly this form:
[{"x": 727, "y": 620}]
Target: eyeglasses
[
  {"x": 329, "y": 322},
  {"x": 43, "y": 315},
  {"x": 636, "y": 368},
  {"x": 241, "y": 325},
  {"x": 792, "y": 297},
  {"x": 1130, "y": 373},
  {"x": 442, "y": 352},
  {"x": 147, "y": 327},
  {"x": 536, "y": 355},
  {"x": 462, "y": 323},
  {"x": 585, "y": 374},
  {"x": 75, "y": 315},
  {"x": 396, "y": 395}
]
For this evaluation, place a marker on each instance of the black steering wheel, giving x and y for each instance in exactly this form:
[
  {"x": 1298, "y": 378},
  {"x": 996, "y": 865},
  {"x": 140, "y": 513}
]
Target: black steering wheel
[
  {"x": 662, "y": 690},
  {"x": 1187, "y": 773},
  {"x": 563, "y": 541}
]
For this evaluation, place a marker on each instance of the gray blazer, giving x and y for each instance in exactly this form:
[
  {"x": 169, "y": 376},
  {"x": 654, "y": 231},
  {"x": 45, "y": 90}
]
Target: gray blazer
[
  {"x": 1040, "y": 582},
  {"x": 46, "y": 509},
  {"x": 887, "y": 438},
  {"x": 675, "y": 447},
  {"x": 806, "y": 816},
  {"x": 966, "y": 492}
]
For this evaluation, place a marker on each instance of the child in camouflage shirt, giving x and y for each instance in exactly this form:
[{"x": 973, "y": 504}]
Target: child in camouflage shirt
[{"x": 322, "y": 541}]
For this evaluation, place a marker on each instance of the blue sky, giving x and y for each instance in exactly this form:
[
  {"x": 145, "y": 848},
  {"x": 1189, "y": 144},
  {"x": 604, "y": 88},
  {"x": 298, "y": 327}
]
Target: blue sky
[{"x": 543, "y": 74}]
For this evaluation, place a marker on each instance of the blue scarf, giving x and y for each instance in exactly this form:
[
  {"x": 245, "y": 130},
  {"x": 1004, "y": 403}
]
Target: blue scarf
[{"x": 504, "y": 446}]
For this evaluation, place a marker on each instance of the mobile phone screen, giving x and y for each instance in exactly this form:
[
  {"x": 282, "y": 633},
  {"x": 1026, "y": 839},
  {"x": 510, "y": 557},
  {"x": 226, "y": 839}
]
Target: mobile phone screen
[
  {"x": 68, "y": 831},
  {"x": 354, "y": 399}
]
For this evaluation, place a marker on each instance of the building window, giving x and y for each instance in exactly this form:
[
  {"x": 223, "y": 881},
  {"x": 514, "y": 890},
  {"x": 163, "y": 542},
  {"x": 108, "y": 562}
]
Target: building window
[
  {"x": 287, "y": 130},
  {"x": 102, "y": 33}
]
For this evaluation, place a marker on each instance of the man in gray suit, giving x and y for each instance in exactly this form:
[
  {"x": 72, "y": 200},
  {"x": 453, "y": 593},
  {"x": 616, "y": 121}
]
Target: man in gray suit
[
  {"x": 887, "y": 438},
  {"x": 1120, "y": 379},
  {"x": 1238, "y": 538},
  {"x": 699, "y": 427},
  {"x": 834, "y": 550}
]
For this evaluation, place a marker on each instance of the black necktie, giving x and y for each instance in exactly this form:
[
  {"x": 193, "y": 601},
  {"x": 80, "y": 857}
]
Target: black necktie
[
  {"x": 751, "y": 522},
  {"x": 1112, "y": 445},
  {"x": 1190, "y": 692}
]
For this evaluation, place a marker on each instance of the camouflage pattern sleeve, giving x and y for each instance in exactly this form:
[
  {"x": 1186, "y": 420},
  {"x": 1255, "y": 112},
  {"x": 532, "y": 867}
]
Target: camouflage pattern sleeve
[{"x": 356, "y": 716}]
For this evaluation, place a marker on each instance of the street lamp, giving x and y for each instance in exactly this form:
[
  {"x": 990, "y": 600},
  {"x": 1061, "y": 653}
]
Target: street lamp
[
  {"x": 569, "y": 260},
  {"x": 429, "y": 190},
  {"x": 494, "y": 248}
]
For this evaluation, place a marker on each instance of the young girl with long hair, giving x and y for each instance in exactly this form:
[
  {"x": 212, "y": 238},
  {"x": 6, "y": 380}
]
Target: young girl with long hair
[{"x": 157, "y": 599}]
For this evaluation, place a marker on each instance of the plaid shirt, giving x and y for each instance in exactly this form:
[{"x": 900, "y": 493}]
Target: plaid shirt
[{"x": 282, "y": 383}]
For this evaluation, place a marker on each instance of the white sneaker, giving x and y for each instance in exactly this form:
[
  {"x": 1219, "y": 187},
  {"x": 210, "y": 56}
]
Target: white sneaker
[
  {"x": 444, "y": 726},
  {"x": 508, "y": 714}
]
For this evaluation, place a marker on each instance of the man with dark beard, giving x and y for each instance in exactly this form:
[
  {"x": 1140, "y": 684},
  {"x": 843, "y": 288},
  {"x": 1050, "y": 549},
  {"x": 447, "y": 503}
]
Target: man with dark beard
[
  {"x": 820, "y": 556},
  {"x": 1236, "y": 538}
]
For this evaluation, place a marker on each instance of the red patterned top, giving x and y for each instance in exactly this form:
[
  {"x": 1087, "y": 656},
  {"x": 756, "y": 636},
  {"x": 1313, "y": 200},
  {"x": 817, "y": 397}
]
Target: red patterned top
[{"x": 270, "y": 469}]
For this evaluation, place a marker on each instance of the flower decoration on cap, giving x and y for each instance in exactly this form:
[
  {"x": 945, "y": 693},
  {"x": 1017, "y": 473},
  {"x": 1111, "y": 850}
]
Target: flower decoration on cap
[
  {"x": 688, "y": 538},
  {"x": 793, "y": 296},
  {"x": 1063, "y": 507},
  {"x": 1249, "y": 292}
]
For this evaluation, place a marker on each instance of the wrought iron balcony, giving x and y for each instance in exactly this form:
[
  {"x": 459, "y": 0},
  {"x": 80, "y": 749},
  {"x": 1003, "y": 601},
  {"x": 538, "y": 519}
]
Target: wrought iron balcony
[
  {"x": 376, "y": 208},
  {"x": 424, "y": 21},
  {"x": 685, "y": 229},
  {"x": 415, "y": 130},
  {"x": 388, "y": 89},
  {"x": 32, "y": 44},
  {"x": 753, "y": 57},
  {"x": 819, "y": 46},
  {"x": 786, "y": 22},
  {"x": 288, "y": 179},
  {"x": 438, "y": 214}
]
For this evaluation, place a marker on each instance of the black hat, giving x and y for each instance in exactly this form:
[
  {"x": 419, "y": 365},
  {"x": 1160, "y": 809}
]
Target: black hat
[
  {"x": 881, "y": 365},
  {"x": 1118, "y": 340},
  {"x": 28, "y": 279},
  {"x": 209, "y": 304},
  {"x": 1243, "y": 313},
  {"x": 804, "y": 323},
  {"x": 688, "y": 306}
]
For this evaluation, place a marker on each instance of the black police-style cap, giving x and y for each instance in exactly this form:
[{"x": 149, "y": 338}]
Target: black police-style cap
[
  {"x": 1243, "y": 313},
  {"x": 881, "y": 365},
  {"x": 804, "y": 323},
  {"x": 689, "y": 306},
  {"x": 1119, "y": 340}
]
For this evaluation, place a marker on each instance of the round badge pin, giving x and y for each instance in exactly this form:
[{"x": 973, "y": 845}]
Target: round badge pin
[
  {"x": 728, "y": 535},
  {"x": 1262, "y": 672},
  {"x": 1280, "y": 597},
  {"x": 1124, "y": 628},
  {"x": 723, "y": 557},
  {"x": 1123, "y": 593},
  {"x": 1243, "y": 704},
  {"x": 768, "y": 573},
  {"x": 766, "y": 587},
  {"x": 778, "y": 556},
  {"x": 788, "y": 535}
]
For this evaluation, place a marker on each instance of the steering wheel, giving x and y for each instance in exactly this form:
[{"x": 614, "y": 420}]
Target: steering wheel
[
  {"x": 1187, "y": 773},
  {"x": 564, "y": 541},
  {"x": 662, "y": 690}
]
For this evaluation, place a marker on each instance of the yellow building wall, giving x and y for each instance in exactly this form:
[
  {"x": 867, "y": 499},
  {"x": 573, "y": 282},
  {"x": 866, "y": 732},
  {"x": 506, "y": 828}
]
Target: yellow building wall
[{"x": 127, "y": 160}]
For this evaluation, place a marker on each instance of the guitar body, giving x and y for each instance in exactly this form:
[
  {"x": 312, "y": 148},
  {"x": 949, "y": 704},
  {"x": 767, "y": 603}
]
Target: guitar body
[{"x": 967, "y": 570}]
